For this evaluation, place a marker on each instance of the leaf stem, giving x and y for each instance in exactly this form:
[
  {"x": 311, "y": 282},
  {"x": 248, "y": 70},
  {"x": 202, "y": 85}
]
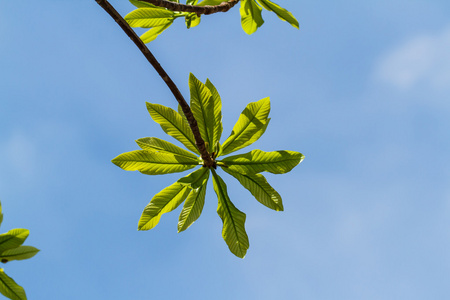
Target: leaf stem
[
  {"x": 208, "y": 161},
  {"x": 199, "y": 10}
]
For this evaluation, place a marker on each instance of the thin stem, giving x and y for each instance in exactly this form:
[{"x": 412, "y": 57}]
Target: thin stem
[
  {"x": 208, "y": 161},
  {"x": 199, "y": 10}
]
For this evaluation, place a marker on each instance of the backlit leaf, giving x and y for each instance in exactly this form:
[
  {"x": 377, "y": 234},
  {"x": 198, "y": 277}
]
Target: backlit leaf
[
  {"x": 173, "y": 124},
  {"x": 153, "y": 33},
  {"x": 216, "y": 104},
  {"x": 155, "y": 144},
  {"x": 149, "y": 17},
  {"x": 9, "y": 288},
  {"x": 192, "y": 20},
  {"x": 210, "y": 2},
  {"x": 250, "y": 126},
  {"x": 1, "y": 214},
  {"x": 140, "y": 4},
  {"x": 251, "y": 18},
  {"x": 282, "y": 13},
  {"x": 154, "y": 163},
  {"x": 13, "y": 238},
  {"x": 260, "y": 189},
  {"x": 192, "y": 207},
  {"x": 19, "y": 253},
  {"x": 201, "y": 108},
  {"x": 180, "y": 111},
  {"x": 165, "y": 201},
  {"x": 195, "y": 179},
  {"x": 257, "y": 161},
  {"x": 233, "y": 231}
]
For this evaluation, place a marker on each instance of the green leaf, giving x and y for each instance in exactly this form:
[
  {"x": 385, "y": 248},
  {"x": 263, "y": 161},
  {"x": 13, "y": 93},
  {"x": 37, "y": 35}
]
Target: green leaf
[
  {"x": 10, "y": 289},
  {"x": 193, "y": 206},
  {"x": 180, "y": 111},
  {"x": 140, "y": 4},
  {"x": 153, "y": 33},
  {"x": 201, "y": 108},
  {"x": 192, "y": 20},
  {"x": 191, "y": 2},
  {"x": 250, "y": 126},
  {"x": 149, "y": 17},
  {"x": 19, "y": 253},
  {"x": 154, "y": 163},
  {"x": 172, "y": 123},
  {"x": 282, "y": 13},
  {"x": 165, "y": 201},
  {"x": 251, "y": 18},
  {"x": 217, "y": 148},
  {"x": 260, "y": 189},
  {"x": 216, "y": 104},
  {"x": 13, "y": 238},
  {"x": 1, "y": 214},
  {"x": 233, "y": 231},
  {"x": 257, "y": 161},
  {"x": 210, "y": 2},
  {"x": 158, "y": 145},
  {"x": 195, "y": 179}
]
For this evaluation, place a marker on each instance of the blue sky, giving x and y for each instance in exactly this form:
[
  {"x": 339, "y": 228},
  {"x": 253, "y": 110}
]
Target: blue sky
[{"x": 362, "y": 89}]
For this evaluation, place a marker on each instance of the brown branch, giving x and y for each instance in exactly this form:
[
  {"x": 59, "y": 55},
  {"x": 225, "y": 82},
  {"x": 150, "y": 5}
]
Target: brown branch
[
  {"x": 199, "y": 10},
  {"x": 208, "y": 161}
]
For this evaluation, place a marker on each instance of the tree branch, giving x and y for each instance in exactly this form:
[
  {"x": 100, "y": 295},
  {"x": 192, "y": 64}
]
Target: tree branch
[
  {"x": 199, "y": 10},
  {"x": 208, "y": 161}
]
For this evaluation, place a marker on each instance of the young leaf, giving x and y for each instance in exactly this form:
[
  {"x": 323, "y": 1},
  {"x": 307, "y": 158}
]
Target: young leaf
[
  {"x": 155, "y": 144},
  {"x": 154, "y": 163},
  {"x": 165, "y": 201},
  {"x": 257, "y": 161},
  {"x": 210, "y": 2},
  {"x": 153, "y": 33},
  {"x": 149, "y": 17},
  {"x": 251, "y": 18},
  {"x": 193, "y": 207},
  {"x": 282, "y": 13},
  {"x": 9, "y": 288},
  {"x": 140, "y": 4},
  {"x": 216, "y": 104},
  {"x": 250, "y": 126},
  {"x": 191, "y": 2},
  {"x": 195, "y": 179},
  {"x": 192, "y": 20},
  {"x": 260, "y": 189},
  {"x": 13, "y": 238},
  {"x": 201, "y": 107},
  {"x": 19, "y": 253},
  {"x": 172, "y": 124},
  {"x": 233, "y": 231}
]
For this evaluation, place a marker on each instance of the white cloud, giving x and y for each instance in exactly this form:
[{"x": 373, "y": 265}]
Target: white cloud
[{"x": 424, "y": 59}]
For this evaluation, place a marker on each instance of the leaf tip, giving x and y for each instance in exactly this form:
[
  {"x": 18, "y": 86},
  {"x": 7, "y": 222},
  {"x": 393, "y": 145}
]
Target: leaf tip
[
  {"x": 116, "y": 161},
  {"x": 180, "y": 229}
]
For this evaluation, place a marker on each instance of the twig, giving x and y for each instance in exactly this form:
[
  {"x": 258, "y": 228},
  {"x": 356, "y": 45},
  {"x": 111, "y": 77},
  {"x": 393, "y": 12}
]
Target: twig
[
  {"x": 199, "y": 10},
  {"x": 208, "y": 161}
]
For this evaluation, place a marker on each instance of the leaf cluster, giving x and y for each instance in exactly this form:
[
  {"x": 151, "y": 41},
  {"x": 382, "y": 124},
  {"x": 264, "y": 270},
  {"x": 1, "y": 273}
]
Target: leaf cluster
[
  {"x": 11, "y": 249},
  {"x": 158, "y": 157},
  {"x": 159, "y": 19}
]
